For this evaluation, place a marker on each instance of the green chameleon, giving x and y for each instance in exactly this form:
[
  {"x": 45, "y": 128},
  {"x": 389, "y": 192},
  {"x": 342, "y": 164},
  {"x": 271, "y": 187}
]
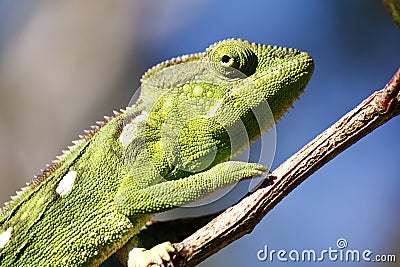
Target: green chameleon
[{"x": 171, "y": 147}]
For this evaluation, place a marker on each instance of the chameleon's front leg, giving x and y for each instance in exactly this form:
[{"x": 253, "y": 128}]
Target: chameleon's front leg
[{"x": 133, "y": 201}]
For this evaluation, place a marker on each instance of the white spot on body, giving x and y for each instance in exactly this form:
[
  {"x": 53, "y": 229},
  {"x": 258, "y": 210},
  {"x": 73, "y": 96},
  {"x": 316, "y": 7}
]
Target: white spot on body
[
  {"x": 129, "y": 130},
  {"x": 5, "y": 237},
  {"x": 66, "y": 183},
  {"x": 214, "y": 110}
]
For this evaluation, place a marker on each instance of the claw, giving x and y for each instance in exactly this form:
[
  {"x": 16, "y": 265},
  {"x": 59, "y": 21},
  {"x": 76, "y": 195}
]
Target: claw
[{"x": 139, "y": 257}]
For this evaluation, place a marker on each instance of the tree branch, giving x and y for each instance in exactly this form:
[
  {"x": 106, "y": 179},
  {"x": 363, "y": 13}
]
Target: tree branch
[{"x": 241, "y": 219}]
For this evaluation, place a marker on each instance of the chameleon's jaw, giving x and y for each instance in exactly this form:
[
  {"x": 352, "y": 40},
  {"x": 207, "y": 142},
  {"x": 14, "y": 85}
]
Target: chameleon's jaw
[{"x": 282, "y": 84}]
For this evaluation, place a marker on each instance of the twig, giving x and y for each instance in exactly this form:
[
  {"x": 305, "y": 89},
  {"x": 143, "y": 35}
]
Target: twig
[{"x": 241, "y": 219}]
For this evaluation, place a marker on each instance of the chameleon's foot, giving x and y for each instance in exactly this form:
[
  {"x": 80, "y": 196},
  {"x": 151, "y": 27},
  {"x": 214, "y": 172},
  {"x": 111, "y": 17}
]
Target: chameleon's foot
[{"x": 159, "y": 254}]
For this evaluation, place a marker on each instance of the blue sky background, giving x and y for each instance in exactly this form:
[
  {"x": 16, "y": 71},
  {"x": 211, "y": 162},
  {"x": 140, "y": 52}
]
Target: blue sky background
[{"x": 355, "y": 46}]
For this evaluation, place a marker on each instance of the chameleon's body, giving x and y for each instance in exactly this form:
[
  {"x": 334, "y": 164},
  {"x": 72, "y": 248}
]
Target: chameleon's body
[{"x": 97, "y": 196}]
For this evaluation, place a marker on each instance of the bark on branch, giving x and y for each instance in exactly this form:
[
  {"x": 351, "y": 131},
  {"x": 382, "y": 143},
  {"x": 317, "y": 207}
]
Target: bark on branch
[{"x": 241, "y": 219}]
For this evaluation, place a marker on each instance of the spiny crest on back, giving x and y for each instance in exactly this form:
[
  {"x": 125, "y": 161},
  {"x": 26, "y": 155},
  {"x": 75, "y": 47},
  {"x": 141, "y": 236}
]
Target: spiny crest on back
[
  {"x": 82, "y": 138},
  {"x": 50, "y": 168}
]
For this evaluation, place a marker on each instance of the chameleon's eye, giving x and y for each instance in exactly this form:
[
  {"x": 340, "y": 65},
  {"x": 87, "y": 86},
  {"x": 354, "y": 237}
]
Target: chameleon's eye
[
  {"x": 233, "y": 54},
  {"x": 225, "y": 59}
]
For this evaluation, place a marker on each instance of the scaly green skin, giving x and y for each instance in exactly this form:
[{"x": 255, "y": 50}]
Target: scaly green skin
[{"x": 171, "y": 147}]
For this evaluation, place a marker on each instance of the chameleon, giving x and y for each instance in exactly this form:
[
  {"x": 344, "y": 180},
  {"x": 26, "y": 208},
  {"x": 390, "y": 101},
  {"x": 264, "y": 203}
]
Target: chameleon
[{"x": 174, "y": 145}]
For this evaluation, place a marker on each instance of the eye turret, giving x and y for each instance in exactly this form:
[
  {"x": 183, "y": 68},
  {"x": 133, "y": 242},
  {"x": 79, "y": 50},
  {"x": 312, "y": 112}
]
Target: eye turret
[{"x": 233, "y": 54}]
